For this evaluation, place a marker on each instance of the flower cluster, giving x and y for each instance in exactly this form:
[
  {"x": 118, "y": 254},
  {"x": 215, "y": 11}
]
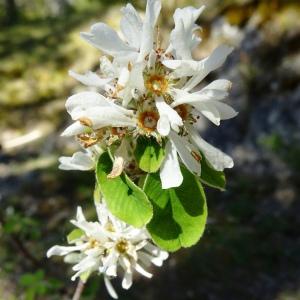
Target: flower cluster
[
  {"x": 137, "y": 125},
  {"x": 104, "y": 245}
]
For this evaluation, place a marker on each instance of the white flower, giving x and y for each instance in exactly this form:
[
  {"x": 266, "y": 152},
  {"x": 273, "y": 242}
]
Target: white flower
[
  {"x": 152, "y": 91},
  {"x": 108, "y": 245}
]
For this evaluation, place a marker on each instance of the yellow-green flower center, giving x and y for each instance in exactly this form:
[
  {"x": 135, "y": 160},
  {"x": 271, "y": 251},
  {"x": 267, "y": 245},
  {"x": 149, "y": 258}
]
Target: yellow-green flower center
[
  {"x": 157, "y": 84},
  {"x": 122, "y": 246},
  {"x": 148, "y": 120}
]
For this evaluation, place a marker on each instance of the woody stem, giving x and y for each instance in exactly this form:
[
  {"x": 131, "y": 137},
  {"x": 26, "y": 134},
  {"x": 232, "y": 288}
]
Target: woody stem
[{"x": 79, "y": 290}]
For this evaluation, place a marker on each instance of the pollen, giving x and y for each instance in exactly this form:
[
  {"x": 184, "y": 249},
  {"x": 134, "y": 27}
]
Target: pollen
[
  {"x": 122, "y": 246},
  {"x": 148, "y": 120},
  {"x": 157, "y": 84},
  {"x": 183, "y": 112},
  {"x": 87, "y": 140}
]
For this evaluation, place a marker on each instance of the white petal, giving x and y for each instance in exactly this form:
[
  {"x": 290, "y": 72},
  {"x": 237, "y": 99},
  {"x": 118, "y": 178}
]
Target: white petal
[
  {"x": 147, "y": 258},
  {"x": 110, "y": 264},
  {"x": 104, "y": 116},
  {"x": 63, "y": 250},
  {"x": 152, "y": 59},
  {"x": 166, "y": 111},
  {"x": 185, "y": 150},
  {"x": 219, "y": 84},
  {"x": 218, "y": 159},
  {"x": 85, "y": 264},
  {"x": 79, "y": 214},
  {"x": 207, "y": 102},
  {"x": 142, "y": 271},
  {"x": 91, "y": 79},
  {"x": 74, "y": 129},
  {"x": 163, "y": 255},
  {"x": 111, "y": 270},
  {"x": 127, "y": 280},
  {"x": 182, "y": 68},
  {"x": 226, "y": 112},
  {"x": 170, "y": 173},
  {"x": 102, "y": 213},
  {"x": 98, "y": 110},
  {"x": 136, "y": 77},
  {"x": 124, "y": 77},
  {"x": 152, "y": 12},
  {"x": 107, "y": 68},
  {"x": 135, "y": 82},
  {"x": 107, "y": 40},
  {"x": 182, "y": 97},
  {"x": 84, "y": 100},
  {"x": 79, "y": 161},
  {"x": 72, "y": 258},
  {"x": 80, "y": 222},
  {"x": 209, "y": 110},
  {"x": 110, "y": 288},
  {"x": 155, "y": 251},
  {"x": 163, "y": 125},
  {"x": 182, "y": 38},
  {"x": 131, "y": 26},
  {"x": 209, "y": 64}
]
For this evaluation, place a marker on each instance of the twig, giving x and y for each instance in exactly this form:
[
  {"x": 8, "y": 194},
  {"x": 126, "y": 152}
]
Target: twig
[{"x": 79, "y": 290}]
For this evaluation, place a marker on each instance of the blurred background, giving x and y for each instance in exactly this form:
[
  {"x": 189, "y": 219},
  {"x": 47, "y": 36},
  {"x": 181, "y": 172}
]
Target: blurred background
[{"x": 251, "y": 247}]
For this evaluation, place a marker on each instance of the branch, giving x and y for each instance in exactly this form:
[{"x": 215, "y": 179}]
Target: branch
[{"x": 79, "y": 290}]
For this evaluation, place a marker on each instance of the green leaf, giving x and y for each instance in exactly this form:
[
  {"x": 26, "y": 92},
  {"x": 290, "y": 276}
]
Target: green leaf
[
  {"x": 124, "y": 199},
  {"x": 74, "y": 235},
  {"x": 211, "y": 177},
  {"x": 149, "y": 154},
  {"x": 179, "y": 213}
]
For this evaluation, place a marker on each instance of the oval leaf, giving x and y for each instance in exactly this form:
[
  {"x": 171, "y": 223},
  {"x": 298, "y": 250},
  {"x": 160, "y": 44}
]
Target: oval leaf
[
  {"x": 124, "y": 199},
  {"x": 179, "y": 213},
  {"x": 149, "y": 154}
]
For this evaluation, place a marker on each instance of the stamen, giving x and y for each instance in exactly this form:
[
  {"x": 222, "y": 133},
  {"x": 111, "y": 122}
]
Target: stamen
[
  {"x": 122, "y": 246},
  {"x": 157, "y": 84},
  {"x": 196, "y": 155},
  {"x": 85, "y": 122},
  {"x": 87, "y": 141},
  {"x": 119, "y": 131},
  {"x": 93, "y": 243},
  {"x": 91, "y": 138},
  {"x": 183, "y": 112},
  {"x": 148, "y": 120}
]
